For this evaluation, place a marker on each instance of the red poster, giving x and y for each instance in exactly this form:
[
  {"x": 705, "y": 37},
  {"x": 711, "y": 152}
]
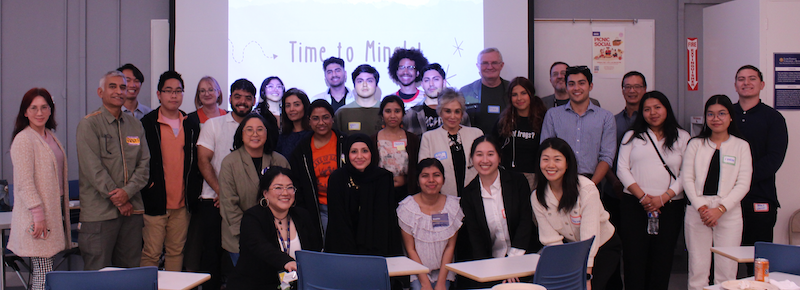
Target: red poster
[{"x": 691, "y": 50}]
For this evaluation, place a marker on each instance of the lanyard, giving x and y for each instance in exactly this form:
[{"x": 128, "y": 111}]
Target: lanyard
[{"x": 286, "y": 245}]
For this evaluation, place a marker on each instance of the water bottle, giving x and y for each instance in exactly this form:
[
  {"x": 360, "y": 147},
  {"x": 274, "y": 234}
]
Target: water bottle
[{"x": 652, "y": 223}]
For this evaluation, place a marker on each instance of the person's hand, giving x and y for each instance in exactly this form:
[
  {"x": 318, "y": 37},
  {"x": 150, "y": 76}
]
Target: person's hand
[
  {"x": 118, "y": 197},
  {"x": 511, "y": 280},
  {"x": 216, "y": 202},
  {"x": 399, "y": 180},
  {"x": 39, "y": 230},
  {"x": 588, "y": 284},
  {"x": 291, "y": 266},
  {"x": 126, "y": 209},
  {"x": 647, "y": 203},
  {"x": 659, "y": 201},
  {"x": 711, "y": 217}
]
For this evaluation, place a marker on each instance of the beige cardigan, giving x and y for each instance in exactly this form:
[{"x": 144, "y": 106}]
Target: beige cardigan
[{"x": 36, "y": 183}]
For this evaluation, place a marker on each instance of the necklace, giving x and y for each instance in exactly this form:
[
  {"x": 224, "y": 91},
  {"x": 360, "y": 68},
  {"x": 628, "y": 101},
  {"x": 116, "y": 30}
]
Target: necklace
[
  {"x": 285, "y": 244},
  {"x": 280, "y": 221}
]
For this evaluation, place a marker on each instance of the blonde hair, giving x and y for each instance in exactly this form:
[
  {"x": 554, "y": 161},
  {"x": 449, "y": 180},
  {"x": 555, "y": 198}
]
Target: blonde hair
[{"x": 214, "y": 83}]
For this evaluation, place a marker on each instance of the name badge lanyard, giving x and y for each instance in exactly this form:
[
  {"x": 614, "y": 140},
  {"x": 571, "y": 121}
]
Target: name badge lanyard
[{"x": 287, "y": 244}]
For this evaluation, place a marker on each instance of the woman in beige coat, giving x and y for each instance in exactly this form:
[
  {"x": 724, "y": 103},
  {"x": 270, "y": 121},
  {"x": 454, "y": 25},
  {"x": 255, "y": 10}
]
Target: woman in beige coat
[{"x": 40, "y": 214}]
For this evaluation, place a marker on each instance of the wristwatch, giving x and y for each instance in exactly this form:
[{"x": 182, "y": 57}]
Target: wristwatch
[{"x": 589, "y": 277}]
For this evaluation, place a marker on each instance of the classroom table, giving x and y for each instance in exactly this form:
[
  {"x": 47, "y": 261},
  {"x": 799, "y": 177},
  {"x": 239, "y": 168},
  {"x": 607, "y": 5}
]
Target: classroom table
[
  {"x": 496, "y": 269},
  {"x": 741, "y": 254},
  {"x": 170, "y": 280},
  {"x": 772, "y": 275},
  {"x": 5, "y": 224},
  {"x": 403, "y": 266}
]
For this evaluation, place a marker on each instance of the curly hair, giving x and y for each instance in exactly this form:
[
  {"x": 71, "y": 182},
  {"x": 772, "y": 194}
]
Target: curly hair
[{"x": 414, "y": 55}]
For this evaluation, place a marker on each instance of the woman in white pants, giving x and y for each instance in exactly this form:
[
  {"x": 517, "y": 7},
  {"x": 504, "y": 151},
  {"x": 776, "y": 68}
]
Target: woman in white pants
[{"x": 716, "y": 171}]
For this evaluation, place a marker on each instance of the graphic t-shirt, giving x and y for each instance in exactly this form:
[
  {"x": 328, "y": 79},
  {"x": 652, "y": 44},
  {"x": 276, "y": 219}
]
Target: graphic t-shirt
[
  {"x": 324, "y": 165},
  {"x": 432, "y": 119}
]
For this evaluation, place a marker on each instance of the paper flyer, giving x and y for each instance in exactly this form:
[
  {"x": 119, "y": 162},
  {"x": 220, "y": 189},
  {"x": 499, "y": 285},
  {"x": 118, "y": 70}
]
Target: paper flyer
[{"x": 608, "y": 51}]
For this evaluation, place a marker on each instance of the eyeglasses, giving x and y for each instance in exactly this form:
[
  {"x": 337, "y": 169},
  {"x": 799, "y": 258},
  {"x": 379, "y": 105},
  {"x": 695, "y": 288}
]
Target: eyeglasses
[
  {"x": 43, "y": 109},
  {"x": 404, "y": 67},
  {"x": 252, "y": 131},
  {"x": 175, "y": 92},
  {"x": 324, "y": 118},
  {"x": 719, "y": 115},
  {"x": 634, "y": 87},
  {"x": 278, "y": 87},
  {"x": 494, "y": 63},
  {"x": 280, "y": 189},
  {"x": 210, "y": 91}
]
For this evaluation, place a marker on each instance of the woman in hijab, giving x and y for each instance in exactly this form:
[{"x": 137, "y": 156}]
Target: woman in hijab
[{"x": 362, "y": 218}]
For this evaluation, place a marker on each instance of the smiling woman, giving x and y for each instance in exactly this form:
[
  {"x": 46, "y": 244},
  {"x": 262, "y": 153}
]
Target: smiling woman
[{"x": 398, "y": 149}]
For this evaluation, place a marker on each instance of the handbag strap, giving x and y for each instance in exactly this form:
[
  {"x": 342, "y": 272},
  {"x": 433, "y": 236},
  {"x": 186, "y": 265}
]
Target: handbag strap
[{"x": 659, "y": 156}]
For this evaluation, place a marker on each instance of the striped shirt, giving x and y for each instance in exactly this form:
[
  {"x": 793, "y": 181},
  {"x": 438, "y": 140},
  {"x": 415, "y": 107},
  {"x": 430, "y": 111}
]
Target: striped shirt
[{"x": 591, "y": 136}]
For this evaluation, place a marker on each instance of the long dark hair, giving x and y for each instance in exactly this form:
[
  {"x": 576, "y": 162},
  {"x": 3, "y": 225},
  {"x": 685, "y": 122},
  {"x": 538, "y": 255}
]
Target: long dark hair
[
  {"x": 27, "y": 99},
  {"x": 508, "y": 118},
  {"x": 725, "y": 102},
  {"x": 238, "y": 140},
  {"x": 569, "y": 185},
  {"x": 287, "y": 126},
  {"x": 670, "y": 125}
]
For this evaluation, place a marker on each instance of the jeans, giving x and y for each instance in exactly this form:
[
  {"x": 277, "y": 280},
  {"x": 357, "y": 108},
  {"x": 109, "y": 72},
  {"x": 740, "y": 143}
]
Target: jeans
[{"x": 416, "y": 285}]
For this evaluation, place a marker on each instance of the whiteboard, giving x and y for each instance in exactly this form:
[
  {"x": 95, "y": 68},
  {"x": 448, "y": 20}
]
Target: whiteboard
[{"x": 571, "y": 42}]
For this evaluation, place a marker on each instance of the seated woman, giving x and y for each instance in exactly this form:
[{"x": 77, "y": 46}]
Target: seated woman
[
  {"x": 397, "y": 147},
  {"x": 567, "y": 207},
  {"x": 272, "y": 232},
  {"x": 450, "y": 142},
  {"x": 497, "y": 215},
  {"x": 362, "y": 218},
  {"x": 430, "y": 221},
  {"x": 239, "y": 176}
]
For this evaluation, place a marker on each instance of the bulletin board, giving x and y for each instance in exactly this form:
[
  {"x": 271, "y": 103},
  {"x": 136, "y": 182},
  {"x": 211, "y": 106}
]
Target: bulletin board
[{"x": 571, "y": 41}]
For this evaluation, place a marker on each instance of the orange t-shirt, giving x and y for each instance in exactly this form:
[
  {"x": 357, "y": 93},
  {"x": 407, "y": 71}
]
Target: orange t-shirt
[
  {"x": 324, "y": 164},
  {"x": 203, "y": 117}
]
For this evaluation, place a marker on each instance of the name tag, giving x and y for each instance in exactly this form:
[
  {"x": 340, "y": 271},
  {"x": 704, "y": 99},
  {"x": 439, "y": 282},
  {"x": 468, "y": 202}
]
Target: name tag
[
  {"x": 354, "y": 126},
  {"x": 575, "y": 219},
  {"x": 440, "y": 220},
  {"x": 494, "y": 109},
  {"x": 729, "y": 160},
  {"x": 761, "y": 207},
  {"x": 401, "y": 146},
  {"x": 132, "y": 140},
  {"x": 441, "y": 155}
]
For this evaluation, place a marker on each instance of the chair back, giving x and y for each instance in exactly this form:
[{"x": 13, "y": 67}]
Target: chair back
[
  {"x": 338, "y": 271},
  {"x": 74, "y": 189},
  {"x": 782, "y": 258},
  {"x": 794, "y": 226},
  {"x": 144, "y": 278},
  {"x": 563, "y": 267}
]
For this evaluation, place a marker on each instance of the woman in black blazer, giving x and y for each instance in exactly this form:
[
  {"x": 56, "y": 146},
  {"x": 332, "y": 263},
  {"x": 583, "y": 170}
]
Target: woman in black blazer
[
  {"x": 482, "y": 235},
  {"x": 271, "y": 232}
]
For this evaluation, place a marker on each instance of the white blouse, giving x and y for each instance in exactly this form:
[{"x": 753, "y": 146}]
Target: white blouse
[
  {"x": 495, "y": 211},
  {"x": 638, "y": 163},
  {"x": 430, "y": 241}
]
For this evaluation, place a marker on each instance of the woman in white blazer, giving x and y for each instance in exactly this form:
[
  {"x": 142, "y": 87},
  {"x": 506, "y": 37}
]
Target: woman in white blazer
[
  {"x": 716, "y": 172},
  {"x": 40, "y": 214},
  {"x": 451, "y": 142}
]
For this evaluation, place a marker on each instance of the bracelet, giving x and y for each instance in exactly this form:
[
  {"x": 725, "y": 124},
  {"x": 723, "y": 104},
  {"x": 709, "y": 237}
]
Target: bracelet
[
  {"x": 661, "y": 197},
  {"x": 643, "y": 196},
  {"x": 722, "y": 208}
]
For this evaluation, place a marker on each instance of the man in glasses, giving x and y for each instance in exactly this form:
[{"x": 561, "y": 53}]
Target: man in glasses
[
  {"x": 363, "y": 115},
  {"x": 486, "y": 96},
  {"x": 558, "y": 71},
  {"x": 404, "y": 68},
  {"x": 175, "y": 181},
  {"x": 337, "y": 94},
  {"x": 134, "y": 78},
  {"x": 216, "y": 142},
  {"x": 113, "y": 163}
]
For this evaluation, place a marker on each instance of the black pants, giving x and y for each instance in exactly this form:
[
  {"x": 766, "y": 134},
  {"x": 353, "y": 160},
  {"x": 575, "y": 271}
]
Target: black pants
[
  {"x": 648, "y": 258},
  {"x": 758, "y": 226},
  {"x": 212, "y": 255},
  {"x": 606, "y": 263}
]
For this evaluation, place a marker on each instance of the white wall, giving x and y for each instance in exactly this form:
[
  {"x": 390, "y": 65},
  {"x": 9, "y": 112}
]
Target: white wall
[
  {"x": 505, "y": 27},
  {"x": 750, "y": 32}
]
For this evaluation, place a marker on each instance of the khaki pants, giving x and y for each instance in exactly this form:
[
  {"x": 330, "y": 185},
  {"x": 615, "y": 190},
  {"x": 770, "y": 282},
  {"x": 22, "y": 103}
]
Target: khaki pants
[
  {"x": 165, "y": 231},
  {"x": 116, "y": 242}
]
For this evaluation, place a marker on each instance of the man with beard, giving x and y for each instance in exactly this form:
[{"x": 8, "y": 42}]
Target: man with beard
[
  {"x": 404, "y": 68},
  {"x": 423, "y": 117},
  {"x": 558, "y": 72},
  {"x": 362, "y": 116},
  {"x": 335, "y": 76},
  {"x": 215, "y": 142},
  {"x": 134, "y": 78}
]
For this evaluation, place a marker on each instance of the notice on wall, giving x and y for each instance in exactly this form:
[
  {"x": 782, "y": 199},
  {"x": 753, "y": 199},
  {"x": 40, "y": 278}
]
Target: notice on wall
[
  {"x": 787, "y": 81},
  {"x": 691, "y": 57},
  {"x": 608, "y": 52}
]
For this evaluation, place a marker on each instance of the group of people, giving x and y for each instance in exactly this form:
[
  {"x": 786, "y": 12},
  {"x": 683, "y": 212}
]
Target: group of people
[{"x": 356, "y": 172}]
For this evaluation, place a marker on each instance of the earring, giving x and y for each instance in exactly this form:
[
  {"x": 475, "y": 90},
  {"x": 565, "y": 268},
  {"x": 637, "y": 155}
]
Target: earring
[{"x": 262, "y": 202}]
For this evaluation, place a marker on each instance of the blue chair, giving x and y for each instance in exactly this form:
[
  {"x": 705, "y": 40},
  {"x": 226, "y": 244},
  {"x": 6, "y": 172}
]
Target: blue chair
[
  {"x": 144, "y": 278},
  {"x": 563, "y": 267},
  {"x": 337, "y": 271},
  {"x": 782, "y": 258},
  {"x": 74, "y": 189}
]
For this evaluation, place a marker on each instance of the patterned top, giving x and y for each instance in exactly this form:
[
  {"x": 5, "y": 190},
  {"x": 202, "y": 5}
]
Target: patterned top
[
  {"x": 430, "y": 242},
  {"x": 394, "y": 156}
]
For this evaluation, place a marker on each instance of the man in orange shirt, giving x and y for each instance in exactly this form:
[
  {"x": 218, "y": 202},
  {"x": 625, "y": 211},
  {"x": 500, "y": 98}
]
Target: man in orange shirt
[{"x": 175, "y": 181}]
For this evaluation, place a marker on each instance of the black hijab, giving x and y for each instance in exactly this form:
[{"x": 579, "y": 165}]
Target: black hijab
[{"x": 371, "y": 170}]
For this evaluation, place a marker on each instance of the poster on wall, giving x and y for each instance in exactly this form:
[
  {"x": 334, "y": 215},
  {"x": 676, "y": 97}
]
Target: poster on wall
[
  {"x": 787, "y": 81},
  {"x": 608, "y": 48},
  {"x": 691, "y": 57}
]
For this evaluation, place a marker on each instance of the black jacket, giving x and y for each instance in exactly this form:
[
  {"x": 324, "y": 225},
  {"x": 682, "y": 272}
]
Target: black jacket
[
  {"x": 475, "y": 241},
  {"x": 261, "y": 257},
  {"x": 154, "y": 195},
  {"x": 305, "y": 180}
]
